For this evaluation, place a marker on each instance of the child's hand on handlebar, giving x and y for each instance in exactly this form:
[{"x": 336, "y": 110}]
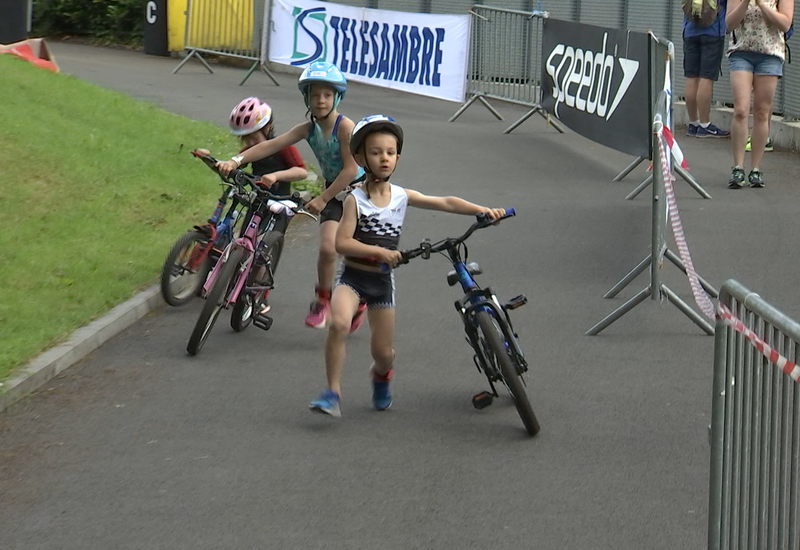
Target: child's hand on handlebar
[
  {"x": 226, "y": 166},
  {"x": 267, "y": 180},
  {"x": 388, "y": 257},
  {"x": 316, "y": 205},
  {"x": 495, "y": 213}
]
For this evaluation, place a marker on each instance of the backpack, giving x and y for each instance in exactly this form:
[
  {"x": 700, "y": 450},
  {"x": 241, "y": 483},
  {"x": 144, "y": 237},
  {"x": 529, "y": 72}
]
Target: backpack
[
  {"x": 786, "y": 36},
  {"x": 701, "y": 13}
]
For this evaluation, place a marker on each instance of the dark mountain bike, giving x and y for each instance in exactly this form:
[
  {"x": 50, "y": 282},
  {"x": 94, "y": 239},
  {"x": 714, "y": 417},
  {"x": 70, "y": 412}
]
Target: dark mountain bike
[{"x": 486, "y": 322}]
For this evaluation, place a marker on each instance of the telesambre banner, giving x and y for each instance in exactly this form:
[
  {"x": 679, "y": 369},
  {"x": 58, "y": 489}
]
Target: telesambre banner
[{"x": 414, "y": 52}]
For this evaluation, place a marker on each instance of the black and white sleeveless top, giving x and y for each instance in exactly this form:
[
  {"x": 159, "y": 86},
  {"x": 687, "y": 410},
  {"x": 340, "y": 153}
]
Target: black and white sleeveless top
[{"x": 379, "y": 226}]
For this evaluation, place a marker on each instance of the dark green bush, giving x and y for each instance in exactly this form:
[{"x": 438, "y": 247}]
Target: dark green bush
[{"x": 118, "y": 21}]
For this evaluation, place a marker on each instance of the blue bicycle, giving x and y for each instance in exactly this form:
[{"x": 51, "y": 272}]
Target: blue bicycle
[
  {"x": 191, "y": 257},
  {"x": 487, "y": 323}
]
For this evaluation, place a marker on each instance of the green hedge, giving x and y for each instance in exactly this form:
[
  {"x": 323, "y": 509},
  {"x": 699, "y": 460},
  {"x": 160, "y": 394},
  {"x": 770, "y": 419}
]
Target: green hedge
[{"x": 117, "y": 21}]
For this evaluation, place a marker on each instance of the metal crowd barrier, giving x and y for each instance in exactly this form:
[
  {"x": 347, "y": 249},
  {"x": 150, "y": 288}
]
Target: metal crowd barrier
[
  {"x": 230, "y": 28},
  {"x": 505, "y": 61},
  {"x": 755, "y": 429}
]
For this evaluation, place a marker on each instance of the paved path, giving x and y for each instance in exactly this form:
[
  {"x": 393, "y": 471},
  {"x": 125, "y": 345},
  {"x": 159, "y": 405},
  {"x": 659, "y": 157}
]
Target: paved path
[{"x": 141, "y": 446}]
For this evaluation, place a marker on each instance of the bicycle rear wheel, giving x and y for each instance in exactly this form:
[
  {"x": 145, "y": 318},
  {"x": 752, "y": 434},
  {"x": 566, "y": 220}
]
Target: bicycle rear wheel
[
  {"x": 215, "y": 301},
  {"x": 495, "y": 346},
  {"x": 185, "y": 268}
]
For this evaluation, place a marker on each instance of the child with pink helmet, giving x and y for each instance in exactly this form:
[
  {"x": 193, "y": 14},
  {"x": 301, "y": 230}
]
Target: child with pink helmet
[{"x": 252, "y": 120}]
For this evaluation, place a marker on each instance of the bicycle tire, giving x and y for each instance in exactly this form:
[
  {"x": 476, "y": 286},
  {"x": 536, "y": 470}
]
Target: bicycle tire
[
  {"x": 495, "y": 341},
  {"x": 214, "y": 302},
  {"x": 273, "y": 248},
  {"x": 178, "y": 285},
  {"x": 242, "y": 312}
]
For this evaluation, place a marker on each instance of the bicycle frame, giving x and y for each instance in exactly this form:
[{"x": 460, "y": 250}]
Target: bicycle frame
[
  {"x": 215, "y": 228},
  {"x": 248, "y": 243},
  {"x": 478, "y": 299}
]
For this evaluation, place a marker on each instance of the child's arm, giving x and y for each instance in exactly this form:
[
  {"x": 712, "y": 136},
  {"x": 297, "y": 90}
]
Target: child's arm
[
  {"x": 296, "y": 168},
  {"x": 348, "y": 246},
  {"x": 265, "y": 148},
  {"x": 735, "y": 13},
  {"x": 349, "y": 167},
  {"x": 295, "y": 173},
  {"x": 455, "y": 205}
]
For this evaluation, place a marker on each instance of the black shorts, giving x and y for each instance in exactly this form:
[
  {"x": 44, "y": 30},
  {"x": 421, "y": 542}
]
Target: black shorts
[
  {"x": 335, "y": 207},
  {"x": 332, "y": 211},
  {"x": 374, "y": 289},
  {"x": 702, "y": 56}
]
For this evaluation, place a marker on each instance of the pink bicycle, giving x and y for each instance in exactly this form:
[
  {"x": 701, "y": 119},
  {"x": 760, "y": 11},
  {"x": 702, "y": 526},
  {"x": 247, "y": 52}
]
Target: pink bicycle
[{"x": 245, "y": 271}]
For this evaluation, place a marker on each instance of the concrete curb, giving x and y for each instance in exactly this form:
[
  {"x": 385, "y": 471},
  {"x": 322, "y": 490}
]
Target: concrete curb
[
  {"x": 81, "y": 343},
  {"x": 785, "y": 135}
]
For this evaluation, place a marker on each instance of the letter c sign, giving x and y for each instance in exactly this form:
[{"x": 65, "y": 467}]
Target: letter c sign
[{"x": 151, "y": 12}]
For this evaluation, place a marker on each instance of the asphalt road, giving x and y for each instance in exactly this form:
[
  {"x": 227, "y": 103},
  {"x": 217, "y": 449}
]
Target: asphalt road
[{"x": 142, "y": 446}]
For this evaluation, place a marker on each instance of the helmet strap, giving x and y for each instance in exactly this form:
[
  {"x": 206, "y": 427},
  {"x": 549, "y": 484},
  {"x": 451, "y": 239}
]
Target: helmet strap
[{"x": 371, "y": 175}]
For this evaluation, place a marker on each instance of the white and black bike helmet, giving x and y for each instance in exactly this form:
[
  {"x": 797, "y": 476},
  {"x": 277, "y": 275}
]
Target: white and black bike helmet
[{"x": 375, "y": 123}]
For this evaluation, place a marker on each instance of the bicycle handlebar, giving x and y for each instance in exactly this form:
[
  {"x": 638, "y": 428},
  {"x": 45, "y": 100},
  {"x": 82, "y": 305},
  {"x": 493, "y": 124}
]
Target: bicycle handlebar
[
  {"x": 241, "y": 178},
  {"x": 425, "y": 249}
]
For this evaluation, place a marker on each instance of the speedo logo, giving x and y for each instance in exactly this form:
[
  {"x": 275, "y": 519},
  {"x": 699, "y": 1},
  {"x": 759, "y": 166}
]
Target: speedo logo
[{"x": 583, "y": 79}]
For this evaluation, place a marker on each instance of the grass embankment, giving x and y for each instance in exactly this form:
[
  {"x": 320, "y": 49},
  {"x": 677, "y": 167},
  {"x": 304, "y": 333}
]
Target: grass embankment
[{"x": 94, "y": 188}]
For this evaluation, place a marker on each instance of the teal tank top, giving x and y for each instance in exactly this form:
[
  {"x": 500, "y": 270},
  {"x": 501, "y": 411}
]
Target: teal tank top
[{"x": 328, "y": 153}]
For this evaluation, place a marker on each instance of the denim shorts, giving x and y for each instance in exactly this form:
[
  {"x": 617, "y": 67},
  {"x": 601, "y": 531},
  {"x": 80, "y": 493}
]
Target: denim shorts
[{"x": 761, "y": 64}]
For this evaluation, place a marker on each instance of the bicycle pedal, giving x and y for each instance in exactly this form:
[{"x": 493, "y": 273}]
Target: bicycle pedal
[
  {"x": 482, "y": 400},
  {"x": 516, "y": 302},
  {"x": 263, "y": 322}
]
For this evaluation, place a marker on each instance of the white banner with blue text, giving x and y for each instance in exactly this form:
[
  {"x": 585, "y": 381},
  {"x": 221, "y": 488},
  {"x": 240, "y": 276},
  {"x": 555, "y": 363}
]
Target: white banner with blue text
[{"x": 414, "y": 52}]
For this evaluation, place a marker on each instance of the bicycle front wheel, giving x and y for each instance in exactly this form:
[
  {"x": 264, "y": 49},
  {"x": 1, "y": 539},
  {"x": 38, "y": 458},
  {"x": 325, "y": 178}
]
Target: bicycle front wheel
[
  {"x": 273, "y": 248},
  {"x": 495, "y": 345},
  {"x": 185, "y": 268},
  {"x": 215, "y": 301}
]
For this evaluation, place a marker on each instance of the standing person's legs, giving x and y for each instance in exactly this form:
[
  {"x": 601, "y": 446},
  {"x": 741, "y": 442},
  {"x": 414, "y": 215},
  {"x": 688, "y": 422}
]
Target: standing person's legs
[
  {"x": 741, "y": 86},
  {"x": 711, "y": 48},
  {"x": 763, "y": 93},
  {"x": 381, "y": 326},
  {"x": 691, "y": 70}
]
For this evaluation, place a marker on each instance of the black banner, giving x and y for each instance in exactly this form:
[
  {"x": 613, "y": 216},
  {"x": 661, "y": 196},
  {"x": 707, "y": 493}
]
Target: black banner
[{"x": 597, "y": 82}]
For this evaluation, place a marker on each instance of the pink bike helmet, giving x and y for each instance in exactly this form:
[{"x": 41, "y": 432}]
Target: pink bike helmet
[{"x": 249, "y": 116}]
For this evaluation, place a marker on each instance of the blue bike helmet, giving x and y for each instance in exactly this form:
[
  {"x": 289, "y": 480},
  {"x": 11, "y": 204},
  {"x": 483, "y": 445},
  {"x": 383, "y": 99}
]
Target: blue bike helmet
[{"x": 322, "y": 72}]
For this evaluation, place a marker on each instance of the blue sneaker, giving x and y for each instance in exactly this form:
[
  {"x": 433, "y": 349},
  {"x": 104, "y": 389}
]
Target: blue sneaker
[
  {"x": 327, "y": 402},
  {"x": 712, "y": 132},
  {"x": 381, "y": 394},
  {"x": 691, "y": 129}
]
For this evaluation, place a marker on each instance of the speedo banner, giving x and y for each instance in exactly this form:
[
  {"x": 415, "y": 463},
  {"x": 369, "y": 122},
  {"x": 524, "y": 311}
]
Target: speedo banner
[
  {"x": 597, "y": 82},
  {"x": 415, "y": 52}
]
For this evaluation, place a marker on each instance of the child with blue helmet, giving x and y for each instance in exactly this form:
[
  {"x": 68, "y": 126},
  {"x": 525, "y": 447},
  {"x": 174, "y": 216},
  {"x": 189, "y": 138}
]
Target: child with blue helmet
[
  {"x": 328, "y": 134},
  {"x": 368, "y": 238}
]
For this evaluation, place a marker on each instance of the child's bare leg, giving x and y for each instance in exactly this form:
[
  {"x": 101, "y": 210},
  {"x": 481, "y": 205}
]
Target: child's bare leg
[
  {"x": 326, "y": 260},
  {"x": 381, "y": 326},
  {"x": 344, "y": 304}
]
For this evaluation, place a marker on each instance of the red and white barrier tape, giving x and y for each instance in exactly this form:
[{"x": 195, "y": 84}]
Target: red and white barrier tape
[
  {"x": 788, "y": 367},
  {"x": 700, "y": 296}
]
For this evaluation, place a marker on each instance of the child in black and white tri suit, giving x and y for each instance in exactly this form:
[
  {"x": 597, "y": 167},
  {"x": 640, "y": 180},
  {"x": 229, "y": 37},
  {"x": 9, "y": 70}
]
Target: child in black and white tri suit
[{"x": 368, "y": 237}]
